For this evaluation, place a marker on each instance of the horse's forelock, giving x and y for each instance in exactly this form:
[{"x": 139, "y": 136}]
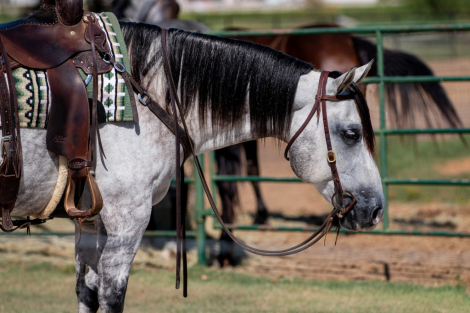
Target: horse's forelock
[{"x": 363, "y": 110}]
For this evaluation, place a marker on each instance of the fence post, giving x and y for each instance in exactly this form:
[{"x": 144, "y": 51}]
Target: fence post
[{"x": 383, "y": 126}]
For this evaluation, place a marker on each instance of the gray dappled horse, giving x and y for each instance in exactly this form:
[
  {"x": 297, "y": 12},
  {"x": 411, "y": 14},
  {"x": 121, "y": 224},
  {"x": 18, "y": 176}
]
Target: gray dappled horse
[{"x": 231, "y": 91}]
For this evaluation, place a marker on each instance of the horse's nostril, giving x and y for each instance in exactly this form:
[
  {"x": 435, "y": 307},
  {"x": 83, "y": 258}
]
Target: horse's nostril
[{"x": 376, "y": 215}]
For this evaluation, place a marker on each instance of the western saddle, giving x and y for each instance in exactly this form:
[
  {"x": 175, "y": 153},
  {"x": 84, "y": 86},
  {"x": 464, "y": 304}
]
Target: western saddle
[{"x": 60, "y": 38}]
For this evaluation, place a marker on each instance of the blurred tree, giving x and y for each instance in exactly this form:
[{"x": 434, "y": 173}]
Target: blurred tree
[
  {"x": 313, "y": 3},
  {"x": 435, "y": 6}
]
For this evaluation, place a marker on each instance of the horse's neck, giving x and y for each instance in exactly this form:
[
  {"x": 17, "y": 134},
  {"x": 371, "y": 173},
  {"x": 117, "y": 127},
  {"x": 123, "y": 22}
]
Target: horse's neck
[{"x": 207, "y": 139}]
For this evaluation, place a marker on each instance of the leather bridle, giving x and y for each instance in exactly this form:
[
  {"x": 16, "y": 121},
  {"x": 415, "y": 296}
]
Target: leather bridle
[
  {"x": 11, "y": 167},
  {"x": 320, "y": 107},
  {"x": 332, "y": 219}
]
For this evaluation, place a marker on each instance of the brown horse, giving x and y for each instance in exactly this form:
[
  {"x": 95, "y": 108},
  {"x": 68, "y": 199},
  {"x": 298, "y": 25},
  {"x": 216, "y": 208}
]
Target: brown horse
[{"x": 339, "y": 52}]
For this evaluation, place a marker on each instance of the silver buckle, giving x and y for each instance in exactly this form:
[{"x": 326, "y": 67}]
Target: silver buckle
[
  {"x": 88, "y": 79},
  {"x": 2, "y": 146},
  {"x": 119, "y": 67},
  {"x": 145, "y": 103},
  {"x": 107, "y": 57}
]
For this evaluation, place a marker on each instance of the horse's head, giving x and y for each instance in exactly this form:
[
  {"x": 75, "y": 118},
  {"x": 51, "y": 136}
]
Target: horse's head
[{"x": 352, "y": 141}]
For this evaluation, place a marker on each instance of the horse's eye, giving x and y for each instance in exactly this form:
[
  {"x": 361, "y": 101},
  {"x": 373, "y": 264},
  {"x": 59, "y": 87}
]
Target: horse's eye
[{"x": 351, "y": 135}]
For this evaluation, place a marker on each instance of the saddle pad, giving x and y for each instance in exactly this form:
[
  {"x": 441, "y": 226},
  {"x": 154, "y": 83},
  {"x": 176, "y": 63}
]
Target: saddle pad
[{"x": 33, "y": 90}]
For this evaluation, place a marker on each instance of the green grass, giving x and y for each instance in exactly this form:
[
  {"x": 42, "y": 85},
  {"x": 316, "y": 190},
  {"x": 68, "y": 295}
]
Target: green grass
[
  {"x": 407, "y": 159},
  {"x": 45, "y": 288}
]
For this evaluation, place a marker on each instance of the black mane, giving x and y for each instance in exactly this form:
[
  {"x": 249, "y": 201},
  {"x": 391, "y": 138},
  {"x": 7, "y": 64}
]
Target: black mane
[{"x": 221, "y": 73}]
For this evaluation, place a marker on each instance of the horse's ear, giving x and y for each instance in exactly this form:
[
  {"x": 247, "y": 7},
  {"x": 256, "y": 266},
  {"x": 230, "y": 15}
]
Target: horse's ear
[
  {"x": 342, "y": 82},
  {"x": 362, "y": 72}
]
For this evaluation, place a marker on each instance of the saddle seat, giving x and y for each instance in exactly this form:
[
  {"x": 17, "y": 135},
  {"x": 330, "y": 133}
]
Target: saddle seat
[{"x": 41, "y": 41}]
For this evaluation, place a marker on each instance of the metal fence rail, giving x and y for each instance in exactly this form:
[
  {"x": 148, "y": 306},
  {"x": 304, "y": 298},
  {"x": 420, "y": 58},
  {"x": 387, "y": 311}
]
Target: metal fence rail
[
  {"x": 382, "y": 132},
  {"x": 201, "y": 213}
]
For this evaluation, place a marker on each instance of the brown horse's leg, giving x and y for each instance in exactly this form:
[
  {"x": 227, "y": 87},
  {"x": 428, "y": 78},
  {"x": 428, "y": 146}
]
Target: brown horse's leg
[
  {"x": 228, "y": 163},
  {"x": 251, "y": 152}
]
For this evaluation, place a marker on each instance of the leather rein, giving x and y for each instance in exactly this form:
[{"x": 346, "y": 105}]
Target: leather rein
[
  {"x": 332, "y": 219},
  {"x": 11, "y": 167}
]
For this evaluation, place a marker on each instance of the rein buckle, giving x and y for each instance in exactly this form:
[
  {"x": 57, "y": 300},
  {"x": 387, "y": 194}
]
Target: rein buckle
[
  {"x": 328, "y": 156},
  {"x": 2, "y": 144},
  {"x": 144, "y": 101}
]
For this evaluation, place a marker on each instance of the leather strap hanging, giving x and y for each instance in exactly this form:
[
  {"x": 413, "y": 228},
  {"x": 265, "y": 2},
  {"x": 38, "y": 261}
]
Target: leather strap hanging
[
  {"x": 332, "y": 219},
  {"x": 10, "y": 149},
  {"x": 10, "y": 144},
  {"x": 182, "y": 137},
  {"x": 80, "y": 169}
]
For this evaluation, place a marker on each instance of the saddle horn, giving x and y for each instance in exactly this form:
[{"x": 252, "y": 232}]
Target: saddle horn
[{"x": 70, "y": 11}]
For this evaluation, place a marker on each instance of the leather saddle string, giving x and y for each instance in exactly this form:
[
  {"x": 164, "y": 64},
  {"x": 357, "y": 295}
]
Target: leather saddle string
[
  {"x": 155, "y": 108},
  {"x": 298, "y": 248},
  {"x": 10, "y": 124}
]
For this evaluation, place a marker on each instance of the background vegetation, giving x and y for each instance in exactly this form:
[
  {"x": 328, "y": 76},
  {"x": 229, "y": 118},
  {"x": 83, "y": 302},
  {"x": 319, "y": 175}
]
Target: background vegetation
[
  {"x": 42, "y": 288},
  {"x": 421, "y": 159}
]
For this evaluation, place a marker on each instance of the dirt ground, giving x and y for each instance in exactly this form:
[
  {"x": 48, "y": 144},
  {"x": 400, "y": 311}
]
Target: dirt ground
[{"x": 425, "y": 260}]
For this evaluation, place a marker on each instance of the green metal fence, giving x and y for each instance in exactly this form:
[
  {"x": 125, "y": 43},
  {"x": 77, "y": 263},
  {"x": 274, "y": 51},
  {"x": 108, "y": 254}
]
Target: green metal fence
[
  {"x": 201, "y": 212},
  {"x": 382, "y": 133}
]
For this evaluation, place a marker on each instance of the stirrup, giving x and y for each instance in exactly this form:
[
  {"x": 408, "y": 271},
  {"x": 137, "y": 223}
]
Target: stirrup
[{"x": 69, "y": 203}]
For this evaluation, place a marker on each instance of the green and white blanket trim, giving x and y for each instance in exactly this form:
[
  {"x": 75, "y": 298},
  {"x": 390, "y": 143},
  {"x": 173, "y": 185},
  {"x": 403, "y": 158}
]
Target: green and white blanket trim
[{"x": 33, "y": 90}]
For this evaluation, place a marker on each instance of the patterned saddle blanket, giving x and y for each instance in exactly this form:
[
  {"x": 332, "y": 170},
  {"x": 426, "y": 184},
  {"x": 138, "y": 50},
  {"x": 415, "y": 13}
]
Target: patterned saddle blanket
[{"x": 34, "y": 94}]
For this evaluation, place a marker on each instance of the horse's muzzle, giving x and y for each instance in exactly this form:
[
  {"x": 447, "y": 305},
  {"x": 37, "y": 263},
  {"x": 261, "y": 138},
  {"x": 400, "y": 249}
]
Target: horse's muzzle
[{"x": 365, "y": 215}]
